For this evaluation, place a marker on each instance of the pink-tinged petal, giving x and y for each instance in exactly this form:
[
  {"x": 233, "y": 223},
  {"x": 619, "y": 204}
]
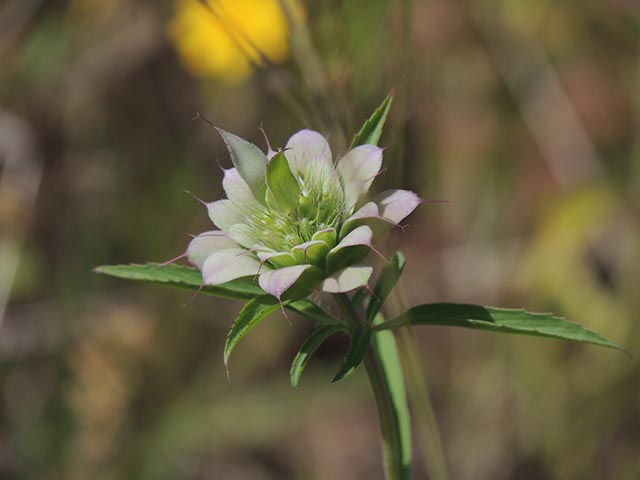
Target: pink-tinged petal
[
  {"x": 227, "y": 265},
  {"x": 278, "y": 259},
  {"x": 308, "y": 149},
  {"x": 297, "y": 280},
  {"x": 362, "y": 216},
  {"x": 360, "y": 236},
  {"x": 206, "y": 244},
  {"x": 357, "y": 169},
  {"x": 347, "y": 279},
  {"x": 238, "y": 190},
  {"x": 396, "y": 205},
  {"x": 224, "y": 214},
  {"x": 351, "y": 249}
]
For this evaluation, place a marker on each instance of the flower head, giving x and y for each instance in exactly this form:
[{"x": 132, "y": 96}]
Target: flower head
[{"x": 295, "y": 219}]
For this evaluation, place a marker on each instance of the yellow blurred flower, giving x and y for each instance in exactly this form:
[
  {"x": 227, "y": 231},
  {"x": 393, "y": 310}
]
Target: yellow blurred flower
[{"x": 224, "y": 38}]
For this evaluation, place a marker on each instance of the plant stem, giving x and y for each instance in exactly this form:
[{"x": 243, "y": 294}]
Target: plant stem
[
  {"x": 433, "y": 453},
  {"x": 433, "y": 456},
  {"x": 383, "y": 368}
]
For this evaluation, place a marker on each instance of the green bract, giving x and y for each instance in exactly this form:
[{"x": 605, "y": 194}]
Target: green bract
[{"x": 295, "y": 219}]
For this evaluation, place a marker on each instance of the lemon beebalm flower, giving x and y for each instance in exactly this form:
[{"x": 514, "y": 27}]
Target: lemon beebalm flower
[
  {"x": 295, "y": 219},
  {"x": 216, "y": 40}
]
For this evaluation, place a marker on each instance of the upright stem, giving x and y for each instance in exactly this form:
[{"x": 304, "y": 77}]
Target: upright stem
[
  {"x": 426, "y": 422},
  {"x": 383, "y": 368}
]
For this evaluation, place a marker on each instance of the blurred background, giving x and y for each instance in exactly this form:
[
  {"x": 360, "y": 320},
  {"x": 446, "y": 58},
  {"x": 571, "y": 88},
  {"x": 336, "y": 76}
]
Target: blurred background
[{"x": 523, "y": 115}]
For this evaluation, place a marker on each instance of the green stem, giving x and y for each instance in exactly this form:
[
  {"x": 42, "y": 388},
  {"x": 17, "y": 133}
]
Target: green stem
[
  {"x": 426, "y": 422},
  {"x": 433, "y": 456},
  {"x": 383, "y": 368}
]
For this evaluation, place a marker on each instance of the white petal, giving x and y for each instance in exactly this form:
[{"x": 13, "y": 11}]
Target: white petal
[
  {"x": 347, "y": 279},
  {"x": 360, "y": 236},
  {"x": 357, "y": 169},
  {"x": 351, "y": 248},
  {"x": 368, "y": 211},
  {"x": 237, "y": 189},
  {"x": 242, "y": 234},
  {"x": 224, "y": 214},
  {"x": 206, "y": 244},
  {"x": 249, "y": 160},
  {"x": 227, "y": 265},
  {"x": 396, "y": 205},
  {"x": 277, "y": 282},
  {"x": 308, "y": 149}
]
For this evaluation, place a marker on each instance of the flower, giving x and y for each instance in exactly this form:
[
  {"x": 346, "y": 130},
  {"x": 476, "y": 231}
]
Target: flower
[
  {"x": 295, "y": 219},
  {"x": 222, "y": 38}
]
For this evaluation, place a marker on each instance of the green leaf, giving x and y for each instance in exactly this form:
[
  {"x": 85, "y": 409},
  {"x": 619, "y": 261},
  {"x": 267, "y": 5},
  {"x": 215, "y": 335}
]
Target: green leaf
[
  {"x": 503, "y": 320},
  {"x": 249, "y": 160},
  {"x": 308, "y": 309},
  {"x": 387, "y": 280},
  {"x": 359, "y": 297},
  {"x": 188, "y": 278},
  {"x": 250, "y": 315},
  {"x": 185, "y": 278},
  {"x": 283, "y": 186},
  {"x": 392, "y": 398},
  {"x": 307, "y": 349},
  {"x": 358, "y": 348},
  {"x": 372, "y": 128}
]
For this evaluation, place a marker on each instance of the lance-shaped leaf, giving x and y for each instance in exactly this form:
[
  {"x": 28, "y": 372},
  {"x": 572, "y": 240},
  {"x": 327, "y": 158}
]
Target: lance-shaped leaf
[
  {"x": 360, "y": 342},
  {"x": 397, "y": 432},
  {"x": 307, "y": 349},
  {"x": 505, "y": 320},
  {"x": 190, "y": 279},
  {"x": 387, "y": 280},
  {"x": 313, "y": 312},
  {"x": 249, "y": 160},
  {"x": 359, "y": 297},
  {"x": 284, "y": 188},
  {"x": 184, "y": 278},
  {"x": 251, "y": 314},
  {"x": 372, "y": 128}
]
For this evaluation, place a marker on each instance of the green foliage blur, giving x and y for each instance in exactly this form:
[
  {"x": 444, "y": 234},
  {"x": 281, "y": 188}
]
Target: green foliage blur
[{"x": 524, "y": 116}]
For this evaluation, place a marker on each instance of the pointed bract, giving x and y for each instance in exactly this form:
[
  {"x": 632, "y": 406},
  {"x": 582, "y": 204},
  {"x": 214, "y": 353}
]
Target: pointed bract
[
  {"x": 308, "y": 149},
  {"x": 347, "y": 279},
  {"x": 357, "y": 170},
  {"x": 224, "y": 214},
  {"x": 249, "y": 160},
  {"x": 229, "y": 264},
  {"x": 206, "y": 244},
  {"x": 396, "y": 205},
  {"x": 277, "y": 282},
  {"x": 237, "y": 189}
]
